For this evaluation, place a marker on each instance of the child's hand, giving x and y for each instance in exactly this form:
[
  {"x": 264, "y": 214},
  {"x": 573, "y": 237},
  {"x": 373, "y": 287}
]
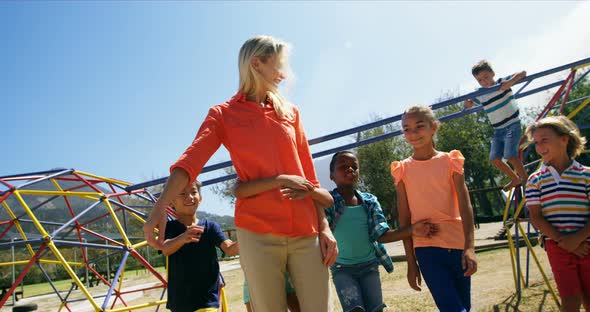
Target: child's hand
[
  {"x": 569, "y": 242},
  {"x": 424, "y": 228},
  {"x": 582, "y": 250},
  {"x": 414, "y": 277},
  {"x": 192, "y": 234},
  {"x": 296, "y": 182},
  {"x": 468, "y": 104},
  {"x": 468, "y": 262},
  {"x": 505, "y": 86},
  {"x": 294, "y": 194}
]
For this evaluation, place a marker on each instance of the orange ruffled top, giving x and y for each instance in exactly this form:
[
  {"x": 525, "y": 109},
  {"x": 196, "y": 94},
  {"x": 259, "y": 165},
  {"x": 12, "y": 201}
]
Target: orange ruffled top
[{"x": 431, "y": 195}]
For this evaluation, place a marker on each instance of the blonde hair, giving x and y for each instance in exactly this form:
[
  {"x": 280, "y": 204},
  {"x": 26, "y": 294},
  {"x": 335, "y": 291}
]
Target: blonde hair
[
  {"x": 561, "y": 125},
  {"x": 251, "y": 81},
  {"x": 425, "y": 111}
]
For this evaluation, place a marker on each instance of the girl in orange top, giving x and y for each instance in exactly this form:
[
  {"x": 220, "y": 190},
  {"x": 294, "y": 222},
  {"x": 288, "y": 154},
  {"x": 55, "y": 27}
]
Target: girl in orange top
[
  {"x": 277, "y": 220},
  {"x": 430, "y": 185}
]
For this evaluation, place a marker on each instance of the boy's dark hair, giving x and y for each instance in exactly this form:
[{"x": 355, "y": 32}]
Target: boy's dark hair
[
  {"x": 198, "y": 185},
  {"x": 333, "y": 161},
  {"x": 481, "y": 66}
]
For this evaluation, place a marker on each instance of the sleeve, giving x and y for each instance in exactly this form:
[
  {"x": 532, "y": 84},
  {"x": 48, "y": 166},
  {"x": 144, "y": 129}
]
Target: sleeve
[
  {"x": 206, "y": 142},
  {"x": 477, "y": 100},
  {"x": 397, "y": 171},
  {"x": 532, "y": 191},
  {"x": 380, "y": 225},
  {"x": 457, "y": 161},
  {"x": 303, "y": 151},
  {"x": 216, "y": 234}
]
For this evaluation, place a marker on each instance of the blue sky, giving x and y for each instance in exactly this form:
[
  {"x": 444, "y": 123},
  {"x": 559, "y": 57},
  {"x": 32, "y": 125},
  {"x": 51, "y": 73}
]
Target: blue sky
[{"x": 119, "y": 89}]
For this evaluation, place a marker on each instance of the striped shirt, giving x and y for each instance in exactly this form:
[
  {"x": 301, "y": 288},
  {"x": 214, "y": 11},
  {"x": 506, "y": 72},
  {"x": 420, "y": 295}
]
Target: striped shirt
[
  {"x": 565, "y": 199},
  {"x": 500, "y": 106}
]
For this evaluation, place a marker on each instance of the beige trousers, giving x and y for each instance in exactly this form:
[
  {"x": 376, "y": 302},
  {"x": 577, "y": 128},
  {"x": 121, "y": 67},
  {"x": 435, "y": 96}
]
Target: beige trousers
[{"x": 266, "y": 257}]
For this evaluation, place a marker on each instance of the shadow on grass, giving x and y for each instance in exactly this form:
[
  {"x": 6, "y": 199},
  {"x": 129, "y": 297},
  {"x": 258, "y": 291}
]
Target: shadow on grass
[
  {"x": 513, "y": 303},
  {"x": 509, "y": 304}
]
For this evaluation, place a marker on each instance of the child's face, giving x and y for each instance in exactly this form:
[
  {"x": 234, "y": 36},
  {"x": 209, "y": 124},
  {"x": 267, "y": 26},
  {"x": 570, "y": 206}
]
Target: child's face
[
  {"x": 549, "y": 144},
  {"x": 485, "y": 78},
  {"x": 187, "y": 201},
  {"x": 346, "y": 170},
  {"x": 418, "y": 130}
]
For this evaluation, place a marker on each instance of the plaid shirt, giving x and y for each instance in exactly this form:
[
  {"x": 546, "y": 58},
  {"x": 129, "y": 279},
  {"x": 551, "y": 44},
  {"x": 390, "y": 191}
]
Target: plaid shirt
[{"x": 377, "y": 222}]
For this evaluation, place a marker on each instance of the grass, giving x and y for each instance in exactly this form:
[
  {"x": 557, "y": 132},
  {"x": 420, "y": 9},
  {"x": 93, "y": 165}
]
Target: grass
[{"x": 493, "y": 288}]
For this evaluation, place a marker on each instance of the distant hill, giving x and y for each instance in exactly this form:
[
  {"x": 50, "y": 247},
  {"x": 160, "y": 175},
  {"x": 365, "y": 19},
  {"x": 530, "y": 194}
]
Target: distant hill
[{"x": 226, "y": 222}]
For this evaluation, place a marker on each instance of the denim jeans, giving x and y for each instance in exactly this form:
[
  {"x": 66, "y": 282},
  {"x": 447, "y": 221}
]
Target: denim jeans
[
  {"x": 505, "y": 142},
  {"x": 358, "y": 285},
  {"x": 442, "y": 271}
]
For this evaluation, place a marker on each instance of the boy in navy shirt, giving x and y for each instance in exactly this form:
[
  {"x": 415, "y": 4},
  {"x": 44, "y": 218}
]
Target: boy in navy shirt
[{"x": 193, "y": 272}]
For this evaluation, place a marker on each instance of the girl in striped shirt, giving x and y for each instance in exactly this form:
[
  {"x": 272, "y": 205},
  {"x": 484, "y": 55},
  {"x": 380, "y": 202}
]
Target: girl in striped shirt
[{"x": 558, "y": 199}]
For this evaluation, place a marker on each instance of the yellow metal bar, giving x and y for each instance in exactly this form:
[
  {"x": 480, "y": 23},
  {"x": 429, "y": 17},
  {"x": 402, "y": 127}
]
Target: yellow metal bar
[
  {"x": 530, "y": 246},
  {"x": 224, "y": 306},
  {"x": 139, "y": 245},
  {"x": 58, "y": 193},
  {"x": 18, "y": 227},
  {"x": 117, "y": 223},
  {"x": 138, "y": 218},
  {"x": 31, "y": 214},
  {"x": 73, "y": 275},
  {"x": 103, "y": 178},
  {"x": 512, "y": 256},
  {"x": 21, "y": 262},
  {"x": 139, "y": 306},
  {"x": 61, "y": 306},
  {"x": 581, "y": 66},
  {"x": 507, "y": 206},
  {"x": 519, "y": 208},
  {"x": 578, "y": 109}
]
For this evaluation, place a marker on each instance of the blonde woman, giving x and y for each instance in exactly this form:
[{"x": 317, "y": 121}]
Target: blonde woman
[{"x": 279, "y": 214}]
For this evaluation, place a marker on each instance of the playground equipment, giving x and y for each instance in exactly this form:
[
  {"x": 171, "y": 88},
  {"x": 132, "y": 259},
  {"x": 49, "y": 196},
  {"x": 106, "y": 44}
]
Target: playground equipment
[{"x": 95, "y": 205}]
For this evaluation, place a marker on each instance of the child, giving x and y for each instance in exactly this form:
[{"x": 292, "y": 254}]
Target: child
[
  {"x": 357, "y": 221},
  {"x": 503, "y": 114},
  {"x": 292, "y": 301},
  {"x": 193, "y": 272},
  {"x": 557, "y": 196},
  {"x": 430, "y": 184}
]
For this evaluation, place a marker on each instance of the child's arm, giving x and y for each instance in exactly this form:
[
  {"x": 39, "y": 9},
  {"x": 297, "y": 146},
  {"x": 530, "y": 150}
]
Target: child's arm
[
  {"x": 513, "y": 80},
  {"x": 542, "y": 224},
  {"x": 468, "y": 104},
  {"x": 328, "y": 244},
  {"x": 421, "y": 228},
  {"x": 255, "y": 187},
  {"x": 572, "y": 241},
  {"x": 413, "y": 276},
  {"x": 230, "y": 247},
  {"x": 191, "y": 235},
  {"x": 468, "y": 260}
]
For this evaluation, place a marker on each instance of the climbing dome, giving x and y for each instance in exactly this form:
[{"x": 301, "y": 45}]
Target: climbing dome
[{"x": 80, "y": 233}]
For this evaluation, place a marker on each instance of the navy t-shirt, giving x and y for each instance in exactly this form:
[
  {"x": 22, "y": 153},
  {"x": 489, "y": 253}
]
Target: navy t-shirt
[{"x": 193, "y": 273}]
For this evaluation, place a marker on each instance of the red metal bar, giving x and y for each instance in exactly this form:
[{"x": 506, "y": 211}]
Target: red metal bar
[
  {"x": 101, "y": 236},
  {"x": 7, "y": 228},
  {"x": 22, "y": 274},
  {"x": 148, "y": 266},
  {"x": 567, "y": 92},
  {"x": 86, "y": 182}
]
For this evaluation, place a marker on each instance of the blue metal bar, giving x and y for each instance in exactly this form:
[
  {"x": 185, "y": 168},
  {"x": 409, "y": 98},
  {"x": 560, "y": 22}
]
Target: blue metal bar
[
  {"x": 517, "y": 239},
  {"x": 78, "y": 216},
  {"x": 33, "y": 173},
  {"x": 49, "y": 280},
  {"x": 66, "y": 171},
  {"x": 115, "y": 281},
  {"x": 37, "y": 206},
  {"x": 388, "y": 120},
  {"x": 522, "y": 88},
  {"x": 79, "y": 244},
  {"x": 22, "y": 242},
  {"x": 528, "y": 254},
  {"x": 127, "y": 208}
]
